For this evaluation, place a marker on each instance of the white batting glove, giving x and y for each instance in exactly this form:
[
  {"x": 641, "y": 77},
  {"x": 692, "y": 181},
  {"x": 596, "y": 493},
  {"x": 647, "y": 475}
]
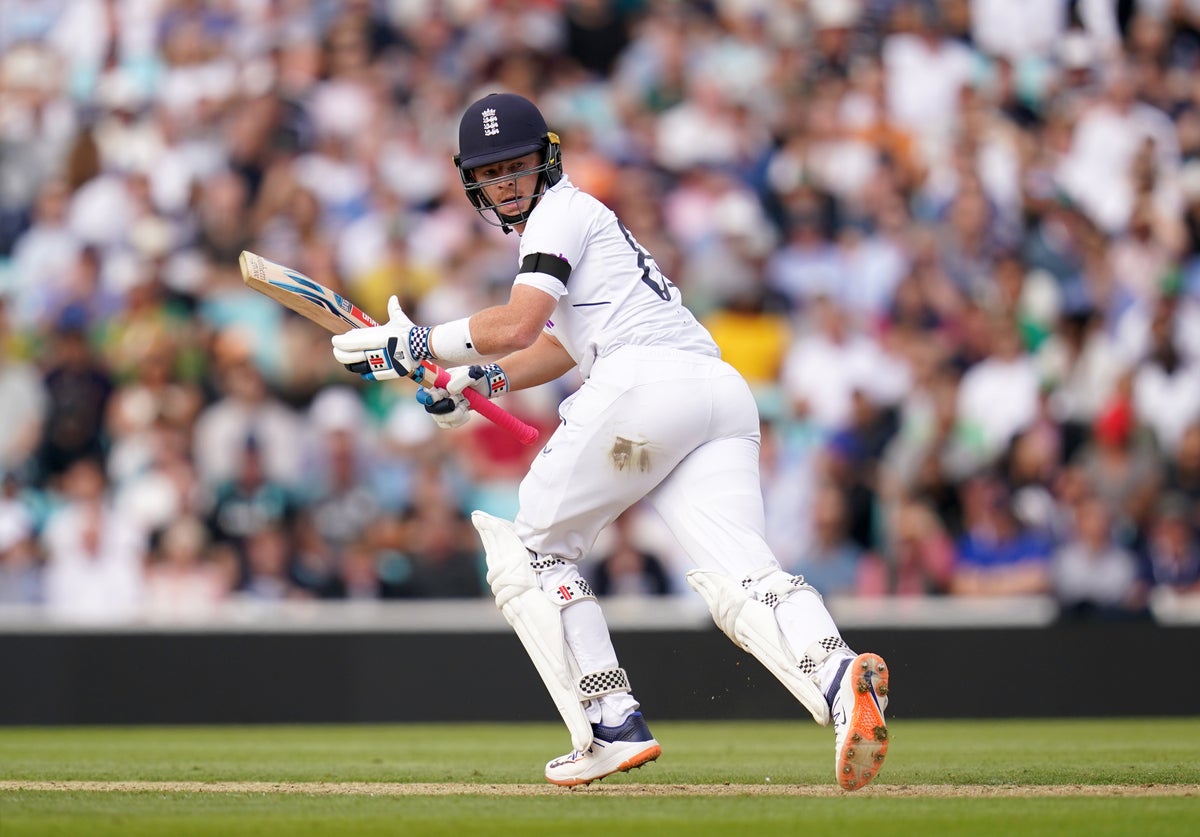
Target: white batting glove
[
  {"x": 391, "y": 350},
  {"x": 448, "y": 406}
]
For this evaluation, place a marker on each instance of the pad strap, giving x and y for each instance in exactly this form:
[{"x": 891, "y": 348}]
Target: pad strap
[
  {"x": 600, "y": 683},
  {"x": 573, "y": 592},
  {"x": 819, "y": 651},
  {"x": 544, "y": 562},
  {"x": 783, "y": 588}
]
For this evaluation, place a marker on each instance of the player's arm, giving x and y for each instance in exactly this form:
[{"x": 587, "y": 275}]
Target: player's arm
[
  {"x": 507, "y": 328},
  {"x": 546, "y": 360}
]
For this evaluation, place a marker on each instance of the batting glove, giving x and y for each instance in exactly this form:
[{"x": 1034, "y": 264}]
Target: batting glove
[
  {"x": 448, "y": 406},
  {"x": 391, "y": 350}
]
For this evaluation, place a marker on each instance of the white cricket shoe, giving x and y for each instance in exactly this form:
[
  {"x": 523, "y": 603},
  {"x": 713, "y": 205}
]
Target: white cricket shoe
[
  {"x": 613, "y": 749},
  {"x": 860, "y": 732}
]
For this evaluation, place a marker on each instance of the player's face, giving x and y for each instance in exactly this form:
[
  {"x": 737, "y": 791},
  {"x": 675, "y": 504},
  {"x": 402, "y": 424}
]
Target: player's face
[{"x": 510, "y": 184}]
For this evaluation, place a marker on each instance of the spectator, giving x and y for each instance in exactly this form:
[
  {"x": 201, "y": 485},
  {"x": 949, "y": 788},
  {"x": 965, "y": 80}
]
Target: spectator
[
  {"x": 874, "y": 266},
  {"x": 94, "y": 554},
  {"x": 918, "y": 556},
  {"x": 628, "y": 569},
  {"x": 972, "y": 245},
  {"x": 152, "y": 398},
  {"x": 806, "y": 267},
  {"x": 1093, "y": 576},
  {"x": 854, "y": 455},
  {"x": 1095, "y": 172},
  {"x": 596, "y": 34},
  {"x": 829, "y": 362},
  {"x": 492, "y": 461},
  {"x": 1183, "y": 471},
  {"x": 150, "y": 354},
  {"x": 339, "y": 496},
  {"x": 1166, "y": 384},
  {"x": 998, "y": 396},
  {"x": 318, "y": 566},
  {"x": 1119, "y": 463},
  {"x": 931, "y": 454},
  {"x": 44, "y": 252},
  {"x": 1080, "y": 364},
  {"x": 1029, "y": 31},
  {"x": 706, "y": 128},
  {"x": 78, "y": 388},
  {"x": 23, "y": 400},
  {"x": 360, "y": 573},
  {"x": 248, "y": 503},
  {"x": 787, "y": 457},
  {"x": 247, "y": 408},
  {"x": 926, "y": 72},
  {"x": 1144, "y": 253},
  {"x": 268, "y": 565},
  {"x": 832, "y": 561},
  {"x": 752, "y": 338},
  {"x": 184, "y": 581},
  {"x": 20, "y": 563},
  {"x": 38, "y": 128},
  {"x": 442, "y": 561},
  {"x": 997, "y": 556},
  {"x": 723, "y": 268},
  {"x": 163, "y": 487},
  {"x": 1173, "y": 548}
]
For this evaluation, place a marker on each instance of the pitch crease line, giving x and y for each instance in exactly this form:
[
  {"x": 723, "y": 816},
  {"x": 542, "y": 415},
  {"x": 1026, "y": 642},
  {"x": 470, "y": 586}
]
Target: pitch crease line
[{"x": 612, "y": 788}]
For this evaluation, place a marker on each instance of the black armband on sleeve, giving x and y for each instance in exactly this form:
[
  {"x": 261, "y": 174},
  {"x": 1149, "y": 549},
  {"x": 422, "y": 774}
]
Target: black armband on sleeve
[{"x": 545, "y": 263}]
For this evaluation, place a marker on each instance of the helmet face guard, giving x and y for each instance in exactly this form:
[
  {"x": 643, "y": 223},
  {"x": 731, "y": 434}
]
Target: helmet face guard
[
  {"x": 506, "y": 215},
  {"x": 500, "y": 127}
]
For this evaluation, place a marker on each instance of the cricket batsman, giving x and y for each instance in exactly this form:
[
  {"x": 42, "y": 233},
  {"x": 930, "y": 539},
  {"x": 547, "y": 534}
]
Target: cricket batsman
[{"x": 659, "y": 417}]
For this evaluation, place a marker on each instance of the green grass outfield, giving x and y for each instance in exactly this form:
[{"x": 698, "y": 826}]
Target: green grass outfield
[{"x": 1094, "y": 777}]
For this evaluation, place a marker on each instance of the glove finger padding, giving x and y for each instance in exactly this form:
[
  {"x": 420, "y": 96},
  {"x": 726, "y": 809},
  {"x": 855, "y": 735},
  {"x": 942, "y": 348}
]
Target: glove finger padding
[
  {"x": 437, "y": 401},
  {"x": 375, "y": 364},
  {"x": 448, "y": 409}
]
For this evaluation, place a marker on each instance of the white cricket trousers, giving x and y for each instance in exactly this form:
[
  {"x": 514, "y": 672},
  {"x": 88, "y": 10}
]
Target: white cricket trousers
[
  {"x": 680, "y": 430},
  {"x": 676, "y": 428}
]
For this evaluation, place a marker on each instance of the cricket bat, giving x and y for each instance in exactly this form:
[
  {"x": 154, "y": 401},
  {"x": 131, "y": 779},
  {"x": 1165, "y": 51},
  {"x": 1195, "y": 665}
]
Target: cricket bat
[{"x": 335, "y": 313}]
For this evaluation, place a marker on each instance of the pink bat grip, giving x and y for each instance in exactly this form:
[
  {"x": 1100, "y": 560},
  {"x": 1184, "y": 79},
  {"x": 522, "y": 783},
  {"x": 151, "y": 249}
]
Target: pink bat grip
[{"x": 526, "y": 434}]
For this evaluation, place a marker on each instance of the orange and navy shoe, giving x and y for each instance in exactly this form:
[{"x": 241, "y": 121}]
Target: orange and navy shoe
[{"x": 860, "y": 731}]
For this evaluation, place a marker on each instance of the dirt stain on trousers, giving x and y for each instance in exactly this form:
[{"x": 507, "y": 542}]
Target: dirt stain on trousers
[{"x": 627, "y": 454}]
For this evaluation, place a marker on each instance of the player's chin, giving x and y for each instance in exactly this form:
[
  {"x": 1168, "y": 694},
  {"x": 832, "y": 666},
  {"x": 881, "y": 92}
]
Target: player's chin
[{"x": 517, "y": 208}]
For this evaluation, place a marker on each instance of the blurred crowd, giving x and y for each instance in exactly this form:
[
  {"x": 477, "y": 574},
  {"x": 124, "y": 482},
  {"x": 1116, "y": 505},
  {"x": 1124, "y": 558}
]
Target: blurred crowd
[{"x": 953, "y": 244}]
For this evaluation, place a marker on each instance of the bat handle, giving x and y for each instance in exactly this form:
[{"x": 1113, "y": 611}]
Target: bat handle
[{"x": 525, "y": 433}]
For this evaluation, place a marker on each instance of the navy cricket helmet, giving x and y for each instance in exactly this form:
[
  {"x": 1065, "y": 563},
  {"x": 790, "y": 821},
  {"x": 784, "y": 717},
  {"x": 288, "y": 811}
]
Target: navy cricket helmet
[{"x": 498, "y": 127}]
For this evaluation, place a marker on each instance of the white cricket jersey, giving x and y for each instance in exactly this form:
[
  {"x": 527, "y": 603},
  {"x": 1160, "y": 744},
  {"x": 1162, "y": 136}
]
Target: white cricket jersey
[{"x": 614, "y": 294}]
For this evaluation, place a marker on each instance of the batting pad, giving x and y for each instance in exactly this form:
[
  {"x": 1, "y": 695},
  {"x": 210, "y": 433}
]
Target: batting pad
[
  {"x": 751, "y": 625},
  {"x": 536, "y": 619}
]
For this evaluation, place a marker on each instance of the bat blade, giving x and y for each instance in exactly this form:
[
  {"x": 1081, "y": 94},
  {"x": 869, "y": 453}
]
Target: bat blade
[
  {"x": 333, "y": 312},
  {"x": 308, "y": 298}
]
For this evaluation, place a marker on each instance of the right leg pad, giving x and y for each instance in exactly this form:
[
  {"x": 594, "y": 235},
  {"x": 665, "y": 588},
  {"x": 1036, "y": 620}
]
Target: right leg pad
[{"x": 536, "y": 616}]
